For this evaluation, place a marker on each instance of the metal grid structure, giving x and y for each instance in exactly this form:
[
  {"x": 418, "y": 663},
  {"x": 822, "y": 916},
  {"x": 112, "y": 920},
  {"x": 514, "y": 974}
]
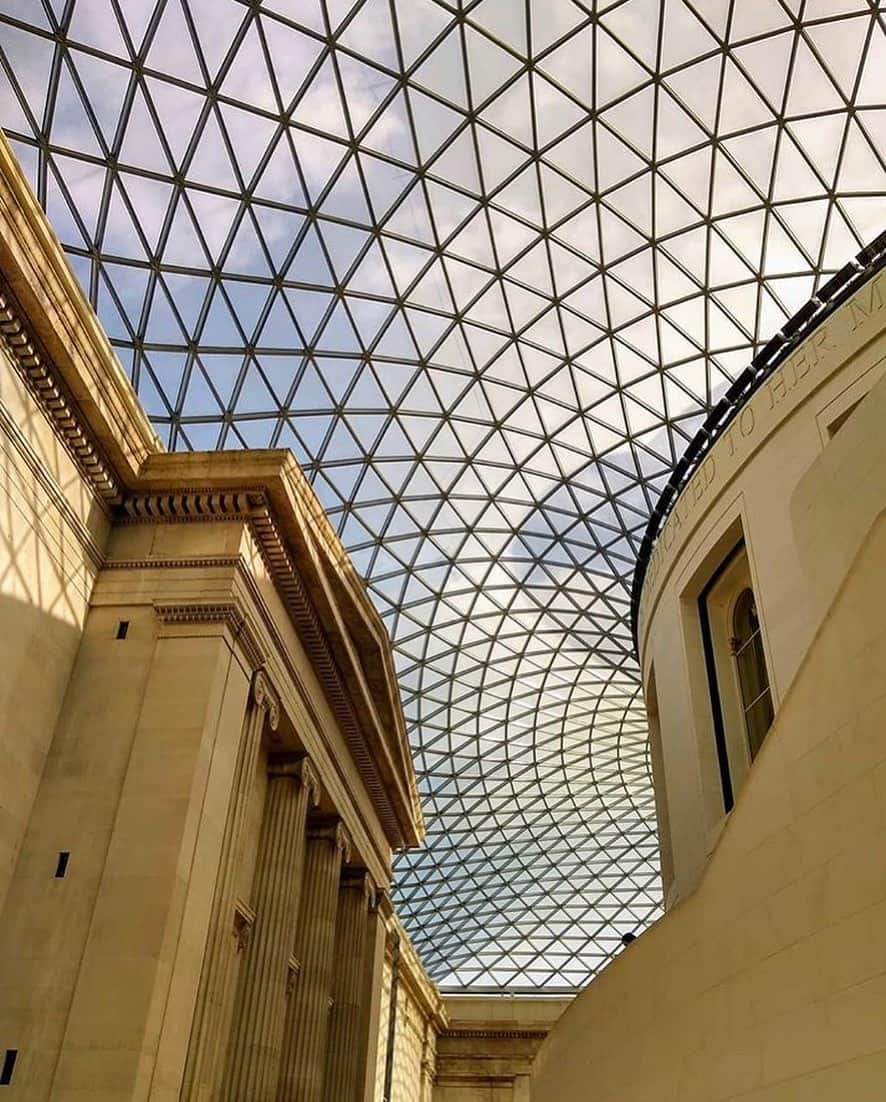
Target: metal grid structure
[{"x": 484, "y": 267}]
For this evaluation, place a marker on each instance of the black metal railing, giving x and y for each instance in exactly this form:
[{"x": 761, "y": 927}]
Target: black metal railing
[{"x": 772, "y": 355}]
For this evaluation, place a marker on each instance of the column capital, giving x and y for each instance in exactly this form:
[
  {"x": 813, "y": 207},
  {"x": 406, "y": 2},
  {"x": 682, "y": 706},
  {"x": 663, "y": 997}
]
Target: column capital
[
  {"x": 229, "y": 613},
  {"x": 299, "y": 767},
  {"x": 359, "y": 880},
  {"x": 266, "y": 698},
  {"x": 336, "y": 834}
]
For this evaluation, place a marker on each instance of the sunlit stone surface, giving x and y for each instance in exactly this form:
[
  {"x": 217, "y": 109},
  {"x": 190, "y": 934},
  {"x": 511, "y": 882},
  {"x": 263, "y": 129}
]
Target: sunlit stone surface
[{"x": 482, "y": 268}]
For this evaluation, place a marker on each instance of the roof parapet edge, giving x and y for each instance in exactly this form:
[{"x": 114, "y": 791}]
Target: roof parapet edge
[{"x": 61, "y": 321}]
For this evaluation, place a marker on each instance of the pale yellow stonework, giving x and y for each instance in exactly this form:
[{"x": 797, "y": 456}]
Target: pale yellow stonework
[
  {"x": 192, "y": 683},
  {"x": 765, "y": 981},
  {"x": 195, "y": 687},
  {"x": 485, "y": 1053}
]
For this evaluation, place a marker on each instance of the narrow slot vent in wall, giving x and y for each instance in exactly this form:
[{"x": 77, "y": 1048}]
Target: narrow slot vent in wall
[
  {"x": 122, "y": 629},
  {"x": 61, "y": 868},
  {"x": 8, "y": 1067}
]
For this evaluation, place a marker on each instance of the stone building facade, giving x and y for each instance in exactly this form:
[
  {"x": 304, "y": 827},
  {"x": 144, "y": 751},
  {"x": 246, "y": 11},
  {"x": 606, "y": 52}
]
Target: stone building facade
[
  {"x": 763, "y": 650},
  {"x": 205, "y": 764},
  {"x": 206, "y": 769}
]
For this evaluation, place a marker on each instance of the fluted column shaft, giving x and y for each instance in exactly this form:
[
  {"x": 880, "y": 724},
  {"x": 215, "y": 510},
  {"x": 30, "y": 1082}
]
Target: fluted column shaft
[
  {"x": 256, "y": 1040},
  {"x": 343, "y": 1063},
  {"x": 304, "y": 1050},
  {"x": 206, "y": 1049},
  {"x": 428, "y": 1063},
  {"x": 371, "y": 1026}
]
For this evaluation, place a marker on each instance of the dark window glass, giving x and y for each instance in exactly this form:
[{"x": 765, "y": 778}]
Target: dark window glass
[
  {"x": 8, "y": 1067},
  {"x": 747, "y": 646}
]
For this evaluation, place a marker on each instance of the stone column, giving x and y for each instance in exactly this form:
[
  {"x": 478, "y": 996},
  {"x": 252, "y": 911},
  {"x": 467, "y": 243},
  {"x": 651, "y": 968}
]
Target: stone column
[
  {"x": 225, "y": 935},
  {"x": 343, "y": 1063},
  {"x": 371, "y": 1025},
  {"x": 256, "y": 1039},
  {"x": 307, "y": 1023},
  {"x": 428, "y": 1062}
]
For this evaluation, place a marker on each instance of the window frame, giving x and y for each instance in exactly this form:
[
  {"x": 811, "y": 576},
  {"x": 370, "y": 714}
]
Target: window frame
[
  {"x": 752, "y": 646},
  {"x": 710, "y": 663},
  {"x": 717, "y": 604}
]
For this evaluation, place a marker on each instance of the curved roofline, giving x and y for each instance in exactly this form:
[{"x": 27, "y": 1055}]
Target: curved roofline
[{"x": 832, "y": 294}]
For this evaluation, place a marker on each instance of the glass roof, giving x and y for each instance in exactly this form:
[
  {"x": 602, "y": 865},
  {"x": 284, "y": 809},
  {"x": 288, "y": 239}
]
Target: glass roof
[{"x": 483, "y": 267}]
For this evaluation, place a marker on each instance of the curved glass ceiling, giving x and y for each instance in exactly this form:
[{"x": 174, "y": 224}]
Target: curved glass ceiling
[{"x": 483, "y": 267}]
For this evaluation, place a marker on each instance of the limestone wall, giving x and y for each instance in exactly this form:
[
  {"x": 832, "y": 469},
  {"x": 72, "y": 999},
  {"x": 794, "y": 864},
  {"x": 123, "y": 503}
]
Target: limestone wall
[
  {"x": 768, "y": 982},
  {"x": 744, "y": 490},
  {"x": 458, "y": 1048},
  {"x": 485, "y": 1053},
  {"x": 52, "y": 533},
  {"x": 204, "y": 760},
  {"x": 411, "y": 1050}
]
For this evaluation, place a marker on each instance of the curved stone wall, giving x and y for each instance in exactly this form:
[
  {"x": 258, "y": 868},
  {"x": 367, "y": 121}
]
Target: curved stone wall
[
  {"x": 766, "y": 978},
  {"x": 744, "y": 491}
]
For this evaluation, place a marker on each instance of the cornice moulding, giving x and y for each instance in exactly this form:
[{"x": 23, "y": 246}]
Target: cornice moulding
[
  {"x": 61, "y": 322},
  {"x": 185, "y": 505},
  {"x": 454, "y": 1034},
  {"x": 360, "y": 688},
  {"x": 50, "y": 394},
  {"x": 61, "y": 351},
  {"x": 199, "y": 562},
  {"x": 228, "y": 613}
]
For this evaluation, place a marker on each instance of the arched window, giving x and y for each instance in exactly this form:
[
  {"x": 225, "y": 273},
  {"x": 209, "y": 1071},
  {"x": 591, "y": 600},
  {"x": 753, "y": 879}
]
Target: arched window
[{"x": 747, "y": 647}]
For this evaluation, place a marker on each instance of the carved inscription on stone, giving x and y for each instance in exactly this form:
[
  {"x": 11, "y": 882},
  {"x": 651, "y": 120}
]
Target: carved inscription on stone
[{"x": 796, "y": 373}]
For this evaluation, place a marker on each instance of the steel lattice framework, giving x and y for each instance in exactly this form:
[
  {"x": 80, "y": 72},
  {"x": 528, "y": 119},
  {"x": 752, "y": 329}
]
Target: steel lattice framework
[{"x": 483, "y": 267}]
